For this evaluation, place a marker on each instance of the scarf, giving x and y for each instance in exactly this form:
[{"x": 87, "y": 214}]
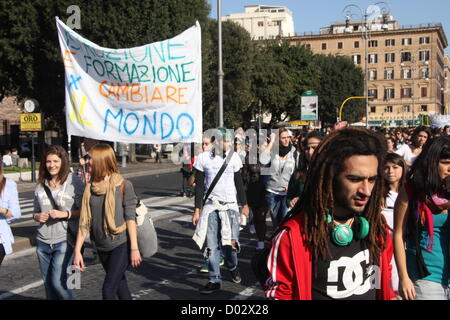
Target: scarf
[
  {"x": 284, "y": 150},
  {"x": 109, "y": 190},
  {"x": 426, "y": 205}
]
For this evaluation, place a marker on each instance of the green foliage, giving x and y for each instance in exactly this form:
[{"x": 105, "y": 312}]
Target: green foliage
[
  {"x": 301, "y": 75},
  {"x": 238, "y": 53},
  {"x": 339, "y": 79},
  {"x": 272, "y": 84}
]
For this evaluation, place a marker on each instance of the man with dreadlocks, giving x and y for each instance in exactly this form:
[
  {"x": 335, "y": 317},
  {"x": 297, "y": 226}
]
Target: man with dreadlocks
[{"x": 335, "y": 243}]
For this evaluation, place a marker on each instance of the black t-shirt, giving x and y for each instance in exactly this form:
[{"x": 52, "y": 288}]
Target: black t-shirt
[{"x": 347, "y": 276}]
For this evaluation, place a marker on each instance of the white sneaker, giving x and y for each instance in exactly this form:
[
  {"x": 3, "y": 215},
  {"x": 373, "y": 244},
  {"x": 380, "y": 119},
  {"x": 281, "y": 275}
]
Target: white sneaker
[{"x": 259, "y": 245}]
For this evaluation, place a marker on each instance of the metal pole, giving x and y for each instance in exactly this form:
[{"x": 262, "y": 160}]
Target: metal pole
[
  {"x": 259, "y": 116},
  {"x": 220, "y": 71},
  {"x": 69, "y": 149},
  {"x": 413, "y": 71},
  {"x": 33, "y": 163},
  {"x": 366, "y": 85}
]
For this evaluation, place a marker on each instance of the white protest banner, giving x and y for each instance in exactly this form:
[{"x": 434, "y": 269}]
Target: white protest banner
[{"x": 146, "y": 94}]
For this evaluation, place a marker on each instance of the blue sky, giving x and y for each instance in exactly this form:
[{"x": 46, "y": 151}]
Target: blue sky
[{"x": 311, "y": 15}]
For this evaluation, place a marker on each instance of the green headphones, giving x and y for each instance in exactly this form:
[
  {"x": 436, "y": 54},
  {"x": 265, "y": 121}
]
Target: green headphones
[{"x": 342, "y": 234}]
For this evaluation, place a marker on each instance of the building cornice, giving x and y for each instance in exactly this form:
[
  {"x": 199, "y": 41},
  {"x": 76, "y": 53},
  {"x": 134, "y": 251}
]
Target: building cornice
[{"x": 373, "y": 34}]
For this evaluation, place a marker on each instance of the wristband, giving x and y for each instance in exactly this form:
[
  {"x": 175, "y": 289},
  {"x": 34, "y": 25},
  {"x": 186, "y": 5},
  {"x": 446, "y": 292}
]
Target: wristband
[{"x": 69, "y": 214}]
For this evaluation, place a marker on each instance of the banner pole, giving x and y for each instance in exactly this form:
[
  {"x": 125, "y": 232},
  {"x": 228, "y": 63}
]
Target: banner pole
[{"x": 69, "y": 149}]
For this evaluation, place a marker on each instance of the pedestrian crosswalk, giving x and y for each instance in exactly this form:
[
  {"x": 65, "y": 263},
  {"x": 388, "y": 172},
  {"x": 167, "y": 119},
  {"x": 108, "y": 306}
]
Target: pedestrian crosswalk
[
  {"x": 26, "y": 209},
  {"x": 159, "y": 207}
]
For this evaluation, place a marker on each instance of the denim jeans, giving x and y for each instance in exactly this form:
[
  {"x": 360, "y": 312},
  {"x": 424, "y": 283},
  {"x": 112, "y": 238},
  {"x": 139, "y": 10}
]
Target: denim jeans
[
  {"x": 214, "y": 245},
  {"x": 277, "y": 206},
  {"x": 115, "y": 263},
  {"x": 53, "y": 262},
  {"x": 429, "y": 290}
]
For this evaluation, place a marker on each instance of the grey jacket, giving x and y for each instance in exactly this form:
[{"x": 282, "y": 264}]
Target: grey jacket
[
  {"x": 280, "y": 173},
  {"x": 70, "y": 197}
]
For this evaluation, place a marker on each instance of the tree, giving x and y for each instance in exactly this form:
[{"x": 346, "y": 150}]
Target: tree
[
  {"x": 286, "y": 72},
  {"x": 238, "y": 52},
  {"x": 272, "y": 85},
  {"x": 339, "y": 79}
]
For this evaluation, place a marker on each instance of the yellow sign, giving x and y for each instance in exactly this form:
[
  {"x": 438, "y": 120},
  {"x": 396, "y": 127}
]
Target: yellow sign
[
  {"x": 302, "y": 122},
  {"x": 31, "y": 122}
]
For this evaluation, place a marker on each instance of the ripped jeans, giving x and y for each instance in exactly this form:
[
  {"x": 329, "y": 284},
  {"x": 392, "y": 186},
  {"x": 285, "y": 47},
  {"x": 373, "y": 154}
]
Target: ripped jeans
[{"x": 214, "y": 247}]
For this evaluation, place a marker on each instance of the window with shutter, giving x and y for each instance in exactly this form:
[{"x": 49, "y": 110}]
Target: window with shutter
[{"x": 424, "y": 92}]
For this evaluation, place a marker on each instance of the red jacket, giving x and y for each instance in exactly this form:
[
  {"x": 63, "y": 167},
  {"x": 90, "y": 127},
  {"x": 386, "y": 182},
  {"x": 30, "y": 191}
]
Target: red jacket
[{"x": 290, "y": 265}]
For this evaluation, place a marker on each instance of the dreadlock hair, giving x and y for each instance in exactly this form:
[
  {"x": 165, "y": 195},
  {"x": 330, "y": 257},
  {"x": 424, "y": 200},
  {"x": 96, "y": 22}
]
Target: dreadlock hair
[{"x": 319, "y": 194}]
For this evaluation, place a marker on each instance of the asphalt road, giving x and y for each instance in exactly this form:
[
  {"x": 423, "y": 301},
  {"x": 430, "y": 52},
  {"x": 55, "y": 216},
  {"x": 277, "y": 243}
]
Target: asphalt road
[{"x": 171, "y": 274}]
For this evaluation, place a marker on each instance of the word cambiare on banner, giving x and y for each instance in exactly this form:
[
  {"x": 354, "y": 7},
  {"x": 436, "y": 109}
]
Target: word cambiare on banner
[{"x": 146, "y": 94}]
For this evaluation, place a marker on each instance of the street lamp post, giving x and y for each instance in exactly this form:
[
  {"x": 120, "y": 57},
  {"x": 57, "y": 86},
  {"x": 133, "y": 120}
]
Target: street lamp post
[
  {"x": 364, "y": 15},
  {"x": 220, "y": 71}
]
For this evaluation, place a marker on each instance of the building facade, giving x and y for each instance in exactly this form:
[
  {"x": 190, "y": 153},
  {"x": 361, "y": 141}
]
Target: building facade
[
  {"x": 446, "y": 91},
  {"x": 404, "y": 65},
  {"x": 264, "y": 22}
]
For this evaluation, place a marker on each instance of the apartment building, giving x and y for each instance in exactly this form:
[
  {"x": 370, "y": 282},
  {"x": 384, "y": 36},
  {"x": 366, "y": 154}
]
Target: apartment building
[
  {"x": 264, "y": 22},
  {"x": 404, "y": 65}
]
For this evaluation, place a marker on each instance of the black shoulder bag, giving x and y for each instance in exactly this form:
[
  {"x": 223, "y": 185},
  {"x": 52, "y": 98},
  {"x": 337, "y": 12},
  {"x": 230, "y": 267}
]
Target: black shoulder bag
[
  {"x": 71, "y": 235},
  {"x": 217, "y": 177}
]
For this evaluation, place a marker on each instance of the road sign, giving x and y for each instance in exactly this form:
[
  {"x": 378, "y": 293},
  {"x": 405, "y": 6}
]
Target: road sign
[
  {"x": 309, "y": 107},
  {"x": 31, "y": 122}
]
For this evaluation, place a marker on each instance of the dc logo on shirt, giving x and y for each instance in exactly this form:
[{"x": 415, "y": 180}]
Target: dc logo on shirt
[{"x": 353, "y": 276}]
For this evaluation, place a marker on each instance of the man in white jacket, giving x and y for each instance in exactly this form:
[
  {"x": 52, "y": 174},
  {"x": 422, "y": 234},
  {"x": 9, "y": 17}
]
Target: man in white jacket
[{"x": 219, "y": 219}]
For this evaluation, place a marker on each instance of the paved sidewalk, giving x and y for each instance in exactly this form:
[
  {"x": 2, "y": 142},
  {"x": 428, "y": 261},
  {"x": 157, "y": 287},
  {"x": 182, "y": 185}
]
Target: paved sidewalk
[
  {"x": 24, "y": 231},
  {"x": 144, "y": 166}
]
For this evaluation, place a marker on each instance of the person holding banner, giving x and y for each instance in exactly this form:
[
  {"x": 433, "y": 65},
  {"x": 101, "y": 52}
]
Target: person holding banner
[
  {"x": 57, "y": 203},
  {"x": 110, "y": 217}
]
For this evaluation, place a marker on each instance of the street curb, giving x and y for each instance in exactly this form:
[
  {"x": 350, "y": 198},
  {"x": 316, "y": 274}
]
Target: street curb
[
  {"x": 23, "y": 243},
  {"x": 30, "y": 186}
]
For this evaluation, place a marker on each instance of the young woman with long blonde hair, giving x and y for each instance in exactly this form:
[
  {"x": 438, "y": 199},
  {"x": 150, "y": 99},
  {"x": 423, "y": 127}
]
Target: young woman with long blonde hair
[{"x": 109, "y": 213}]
